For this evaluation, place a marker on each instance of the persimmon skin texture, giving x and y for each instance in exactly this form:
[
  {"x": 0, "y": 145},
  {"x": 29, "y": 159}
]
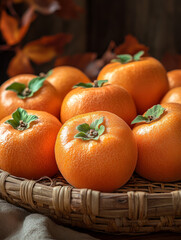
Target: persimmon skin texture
[
  {"x": 30, "y": 153},
  {"x": 146, "y": 80},
  {"x": 174, "y": 78},
  {"x": 45, "y": 99},
  {"x": 104, "y": 164},
  {"x": 109, "y": 98},
  {"x": 159, "y": 151},
  {"x": 172, "y": 96},
  {"x": 63, "y": 78}
]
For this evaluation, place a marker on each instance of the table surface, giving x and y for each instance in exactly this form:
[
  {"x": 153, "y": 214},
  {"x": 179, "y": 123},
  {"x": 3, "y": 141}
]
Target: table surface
[{"x": 153, "y": 236}]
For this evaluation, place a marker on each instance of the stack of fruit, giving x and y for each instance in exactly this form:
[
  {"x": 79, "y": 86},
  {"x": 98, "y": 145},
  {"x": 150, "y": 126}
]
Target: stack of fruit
[{"x": 102, "y": 140}]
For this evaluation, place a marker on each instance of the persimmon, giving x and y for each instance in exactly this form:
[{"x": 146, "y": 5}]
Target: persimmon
[
  {"x": 172, "y": 96},
  {"x": 27, "y": 141},
  {"x": 158, "y": 136},
  {"x": 30, "y": 92},
  {"x": 143, "y": 77},
  {"x": 96, "y": 150},
  {"x": 63, "y": 78},
  {"x": 91, "y": 97},
  {"x": 174, "y": 78}
]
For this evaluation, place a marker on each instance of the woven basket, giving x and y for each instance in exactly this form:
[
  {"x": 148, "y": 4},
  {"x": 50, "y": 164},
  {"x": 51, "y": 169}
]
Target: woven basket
[{"x": 137, "y": 208}]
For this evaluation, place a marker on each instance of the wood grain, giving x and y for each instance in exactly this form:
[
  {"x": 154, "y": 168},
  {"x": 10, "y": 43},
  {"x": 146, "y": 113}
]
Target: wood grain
[{"x": 154, "y": 22}]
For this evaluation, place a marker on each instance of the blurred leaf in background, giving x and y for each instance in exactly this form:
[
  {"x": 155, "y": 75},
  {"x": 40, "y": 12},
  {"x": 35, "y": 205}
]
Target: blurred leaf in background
[
  {"x": 14, "y": 27},
  {"x": 38, "y": 51}
]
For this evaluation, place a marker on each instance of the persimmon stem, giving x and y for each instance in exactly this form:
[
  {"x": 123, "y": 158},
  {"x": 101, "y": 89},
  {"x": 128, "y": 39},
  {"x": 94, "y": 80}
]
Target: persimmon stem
[
  {"x": 21, "y": 119},
  {"x": 92, "y": 133},
  {"x": 42, "y": 74},
  {"x": 151, "y": 114},
  {"x": 96, "y": 83},
  {"x": 150, "y": 118},
  {"x": 26, "y": 92},
  {"x": 23, "y": 91},
  {"x": 22, "y": 125}
]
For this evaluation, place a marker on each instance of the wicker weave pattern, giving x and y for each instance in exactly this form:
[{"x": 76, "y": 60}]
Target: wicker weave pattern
[{"x": 139, "y": 207}]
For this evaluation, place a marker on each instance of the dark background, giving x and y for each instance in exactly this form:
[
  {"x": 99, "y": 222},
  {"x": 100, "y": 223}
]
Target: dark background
[{"x": 155, "y": 23}]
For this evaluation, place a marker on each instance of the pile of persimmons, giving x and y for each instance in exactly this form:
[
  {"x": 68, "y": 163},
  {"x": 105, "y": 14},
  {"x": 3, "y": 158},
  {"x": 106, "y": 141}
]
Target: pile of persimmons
[{"x": 95, "y": 133}]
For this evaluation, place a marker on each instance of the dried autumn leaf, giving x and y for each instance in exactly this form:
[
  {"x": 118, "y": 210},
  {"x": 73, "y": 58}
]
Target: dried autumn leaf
[
  {"x": 109, "y": 53},
  {"x": 19, "y": 64},
  {"x": 171, "y": 61},
  {"x": 69, "y": 9},
  {"x": 93, "y": 68},
  {"x": 10, "y": 29},
  {"x": 45, "y": 6},
  {"x": 78, "y": 60},
  {"x": 46, "y": 48},
  {"x": 28, "y": 17},
  {"x": 131, "y": 46},
  {"x": 66, "y": 9}
]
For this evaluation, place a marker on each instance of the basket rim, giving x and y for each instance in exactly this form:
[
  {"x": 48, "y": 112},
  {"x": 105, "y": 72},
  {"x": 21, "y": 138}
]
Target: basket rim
[
  {"x": 129, "y": 212},
  {"x": 115, "y": 193}
]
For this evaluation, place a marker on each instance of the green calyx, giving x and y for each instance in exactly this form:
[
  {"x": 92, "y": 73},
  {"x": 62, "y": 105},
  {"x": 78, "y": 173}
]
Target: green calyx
[
  {"x": 96, "y": 84},
  {"x": 92, "y": 132},
  {"x": 34, "y": 85},
  {"x": 125, "y": 58},
  {"x": 152, "y": 114},
  {"x": 21, "y": 119}
]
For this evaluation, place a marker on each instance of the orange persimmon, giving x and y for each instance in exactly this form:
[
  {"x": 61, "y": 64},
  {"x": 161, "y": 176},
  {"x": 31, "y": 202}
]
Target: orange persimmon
[
  {"x": 96, "y": 150},
  {"x": 27, "y": 141},
  {"x": 30, "y": 92},
  {"x": 63, "y": 78},
  {"x": 143, "y": 77},
  {"x": 158, "y": 136},
  {"x": 174, "y": 78},
  {"x": 91, "y": 97}
]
